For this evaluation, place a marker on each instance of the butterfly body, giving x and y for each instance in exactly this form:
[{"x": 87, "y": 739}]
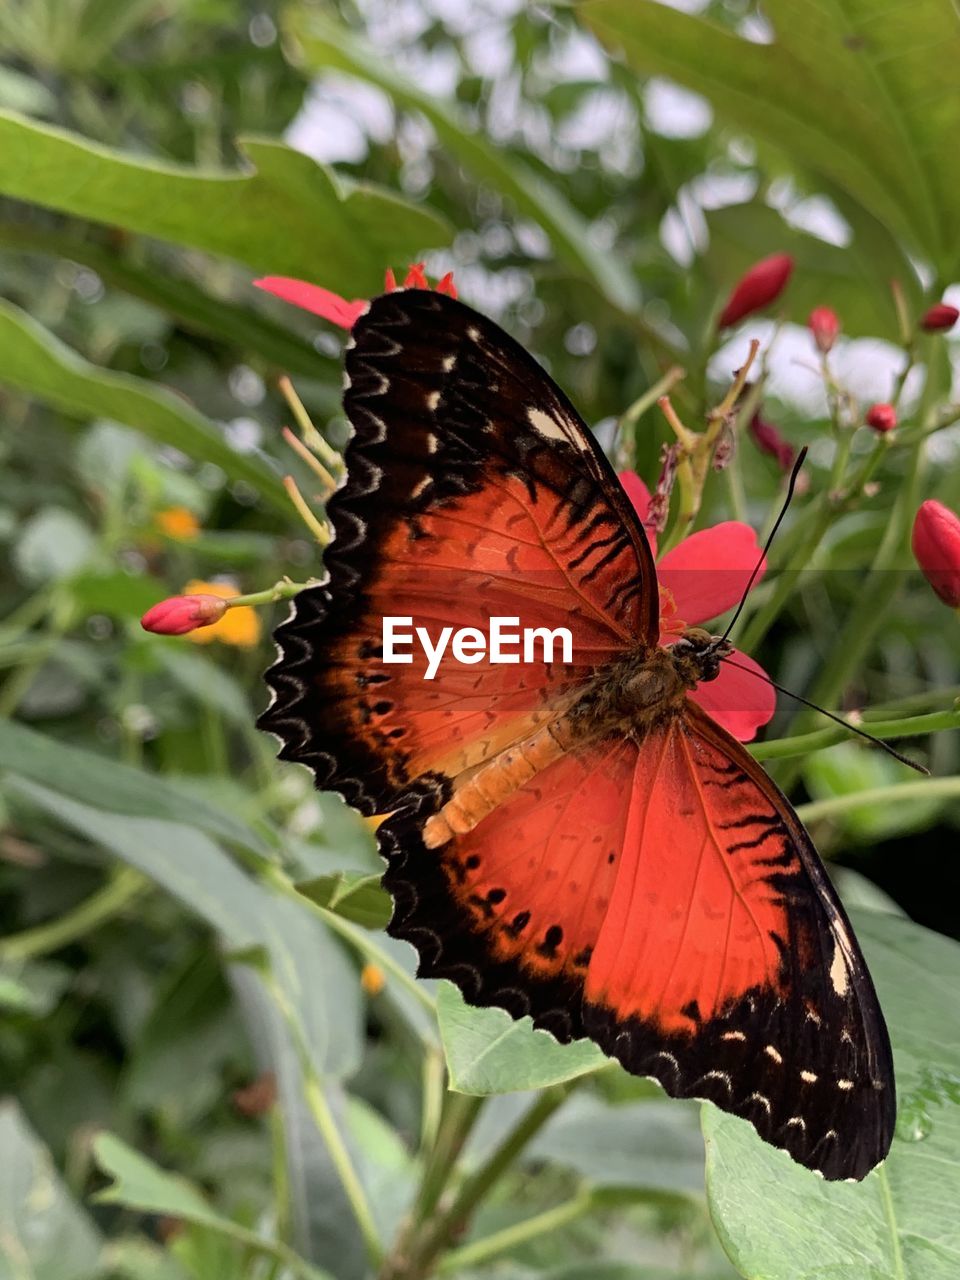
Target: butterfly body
[{"x": 576, "y": 841}]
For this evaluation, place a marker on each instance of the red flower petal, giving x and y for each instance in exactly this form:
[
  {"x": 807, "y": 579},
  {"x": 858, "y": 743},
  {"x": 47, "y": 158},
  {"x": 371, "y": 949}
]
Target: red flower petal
[
  {"x": 321, "y": 302},
  {"x": 445, "y": 285},
  {"x": 639, "y": 495},
  {"x": 707, "y": 573},
  {"x": 389, "y": 281},
  {"x": 738, "y": 700},
  {"x": 415, "y": 278}
]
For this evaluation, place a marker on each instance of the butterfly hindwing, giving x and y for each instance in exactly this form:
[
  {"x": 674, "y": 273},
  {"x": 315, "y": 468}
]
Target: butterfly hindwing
[
  {"x": 473, "y": 490},
  {"x": 725, "y": 965}
]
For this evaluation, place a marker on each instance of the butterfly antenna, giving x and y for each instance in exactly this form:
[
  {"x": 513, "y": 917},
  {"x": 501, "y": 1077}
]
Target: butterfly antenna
[
  {"x": 861, "y": 733},
  {"x": 801, "y": 457}
]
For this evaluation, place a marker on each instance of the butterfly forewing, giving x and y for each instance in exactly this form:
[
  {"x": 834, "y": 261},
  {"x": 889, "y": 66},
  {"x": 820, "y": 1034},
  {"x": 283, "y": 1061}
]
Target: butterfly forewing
[
  {"x": 648, "y": 886},
  {"x": 473, "y": 491}
]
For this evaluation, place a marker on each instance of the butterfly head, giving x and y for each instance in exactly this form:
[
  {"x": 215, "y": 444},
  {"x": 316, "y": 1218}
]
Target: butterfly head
[{"x": 697, "y": 655}]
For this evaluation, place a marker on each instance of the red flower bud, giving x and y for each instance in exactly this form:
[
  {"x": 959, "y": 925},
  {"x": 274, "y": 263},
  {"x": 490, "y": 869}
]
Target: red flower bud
[
  {"x": 936, "y": 545},
  {"x": 941, "y": 316},
  {"x": 824, "y": 325},
  {"x": 882, "y": 417},
  {"x": 757, "y": 288},
  {"x": 177, "y": 615},
  {"x": 769, "y": 440}
]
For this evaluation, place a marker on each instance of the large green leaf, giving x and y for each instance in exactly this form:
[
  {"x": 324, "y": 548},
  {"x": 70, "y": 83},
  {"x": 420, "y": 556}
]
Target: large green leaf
[
  {"x": 286, "y": 215},
  {"x": 323, "y": 44},
  {"x": 141, "y": 1184},
  {"x": 861, "y": 92},
  {"x": 44, "y": 1234},
  {"x": 118, "y": 787},
  {"x": 487, "y": 1051},
  {"x": 311, "y": 973},
  {"x": 36, "y": 362},
  {"x": 179, "y": 298},
  {"x": 645, "y": 1146},
  {"x": 901, "y": 1222}
]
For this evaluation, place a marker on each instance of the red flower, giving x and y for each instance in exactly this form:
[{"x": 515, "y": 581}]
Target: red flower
[
  {"x": 769, "y": 441},
  {"x": 882, "y": 417},
  {"x": 936, "y": 545},
  {"x": 338, "y": 310},
  {"x": 824, "y": 325},
  {"x": 179, "y": 614},
  {"x": 940, "y": 316},
  {"x": 757, "y": 288},
  {"x": 702, "y": 577}
]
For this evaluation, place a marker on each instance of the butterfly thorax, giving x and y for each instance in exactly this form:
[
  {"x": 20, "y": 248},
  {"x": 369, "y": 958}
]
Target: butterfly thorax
[
  {"x": 646, "y": 685},
  {"x": 631, "y": 696}
]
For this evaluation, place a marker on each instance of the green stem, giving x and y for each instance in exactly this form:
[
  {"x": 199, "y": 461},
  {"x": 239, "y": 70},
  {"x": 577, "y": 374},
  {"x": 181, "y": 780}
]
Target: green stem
[
  {"x": 450, "y": 1222},
  {"x": 510, "y": 1237},
  {"x": 121, "y": 888},
  {"x": 319, "y": 1108},
  {"x": 459, "y": 1116},
  {"x": 884, "y": 579},
  {"x": 928, "y": 789},
  {"x": 803, "y": 743}
]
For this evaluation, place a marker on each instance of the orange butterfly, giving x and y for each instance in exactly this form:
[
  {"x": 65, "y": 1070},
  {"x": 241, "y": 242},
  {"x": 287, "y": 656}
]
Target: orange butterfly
[{"x": 574, "y": 840}]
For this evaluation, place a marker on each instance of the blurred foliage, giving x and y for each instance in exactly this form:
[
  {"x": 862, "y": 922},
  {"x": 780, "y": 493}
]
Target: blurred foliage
[{"x": 217, "y": 1064}]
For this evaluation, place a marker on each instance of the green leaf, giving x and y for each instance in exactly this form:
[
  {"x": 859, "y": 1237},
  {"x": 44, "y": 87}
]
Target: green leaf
[
  {"x": 859, "y": 93},
  {"x": 140, "y": 1184},
  {"x": 901, "y": 1221},
  {"x": 487, "y": 1051},
  {"x": 52, "y": 545},
  {"x": 645, "y": 1146},
  {"x": 322, "y": 44},
  {"x": 44, "y": 1234},
  {"x": 285, "y": 215},
  {"x": 178, "y": 298},
  {"x": 36, "y": 362},
  {"x": 118, "y": 787},
  {"x": 846, "y": 769},
  {"x": 359, "y": 898},
  {"x": 33, "y": 988},
  {"x": 311, "y": 972}
]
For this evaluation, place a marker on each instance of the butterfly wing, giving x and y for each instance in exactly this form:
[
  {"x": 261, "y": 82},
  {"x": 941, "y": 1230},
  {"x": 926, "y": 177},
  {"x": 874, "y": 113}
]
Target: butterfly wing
[
  {"x": 725, "y": 966},
  {"x": 473, "y": 490}
]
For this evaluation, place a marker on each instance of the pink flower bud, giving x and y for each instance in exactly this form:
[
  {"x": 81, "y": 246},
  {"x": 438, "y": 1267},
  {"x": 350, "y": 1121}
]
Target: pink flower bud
[
  {"x": 882, "y": 417},
  {"x": 940, "y": 317},
  {"x": 757, "y": 288},
  {"x": 936, "y": 545},
  {"x": 769, "y": 441},
  {"x": 177, "y": 615},
  {"x": 824, "y": 325}
]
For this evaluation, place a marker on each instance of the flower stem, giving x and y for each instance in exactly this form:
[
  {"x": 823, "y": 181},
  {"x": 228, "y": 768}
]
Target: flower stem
[
  {"x": 282, "y": 590},
  {"x": 803, "y": 743},
  {"x": 479, "y": 1251},
  {"x": 928, "y": 789},
  {"x": 123, "y": 885}
]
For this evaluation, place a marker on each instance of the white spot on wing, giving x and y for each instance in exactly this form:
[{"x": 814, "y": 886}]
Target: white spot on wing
[
  {"x": 797, "y": 1121},
  {"x": 845, "y": 1085},
  {"x": 839, "y": 974},
  {"x": 808, "y": 1077},
  {"x": 764, "y": 1101},
  {"x": 772, "y": 1052},
  {"x": 448, "y": 362},
  {"x": 733, "y": 1035},
  {"x": 433, "y": 399},
  {"x": 545, "y": 424}
]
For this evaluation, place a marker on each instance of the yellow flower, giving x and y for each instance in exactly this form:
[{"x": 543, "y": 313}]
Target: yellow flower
[
  {"x": 240, "y": 626},
  {"x": 179, "y": 523},
  {"x": 372, "y": 979}
]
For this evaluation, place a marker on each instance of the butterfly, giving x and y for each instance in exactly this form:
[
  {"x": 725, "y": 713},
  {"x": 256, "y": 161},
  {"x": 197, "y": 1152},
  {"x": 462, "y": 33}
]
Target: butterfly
[{"x": 574, "y": 840}]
